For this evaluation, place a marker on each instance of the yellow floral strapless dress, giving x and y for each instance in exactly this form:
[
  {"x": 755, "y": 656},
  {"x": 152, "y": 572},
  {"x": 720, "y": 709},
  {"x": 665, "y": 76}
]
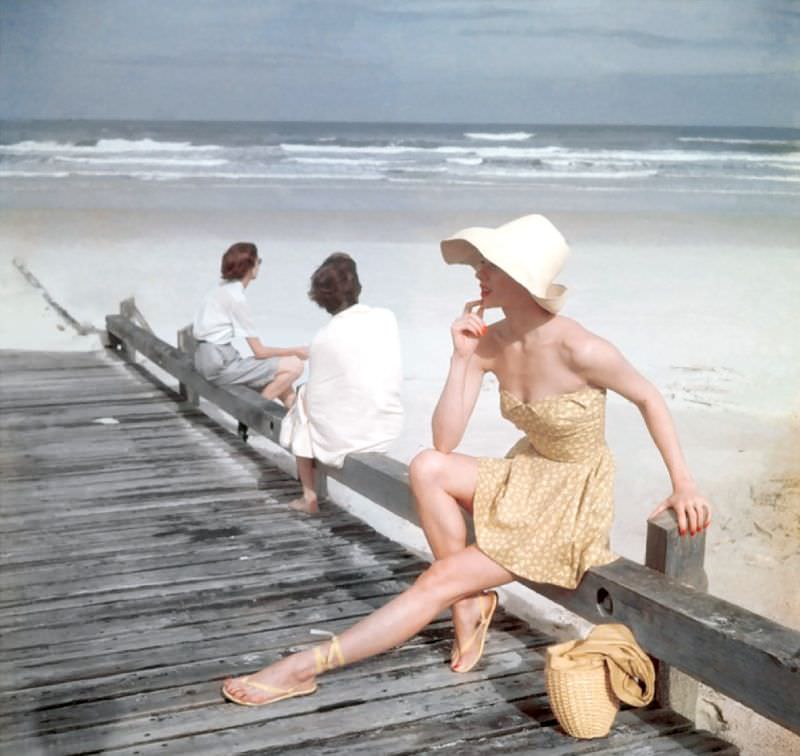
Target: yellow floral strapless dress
[{"x": 544, "y": 512}]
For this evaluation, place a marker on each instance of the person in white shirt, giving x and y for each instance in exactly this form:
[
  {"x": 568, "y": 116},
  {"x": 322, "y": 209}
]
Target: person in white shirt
[
  {"x": 351, "y": 402},
  {"x": 224, "y": 315}
]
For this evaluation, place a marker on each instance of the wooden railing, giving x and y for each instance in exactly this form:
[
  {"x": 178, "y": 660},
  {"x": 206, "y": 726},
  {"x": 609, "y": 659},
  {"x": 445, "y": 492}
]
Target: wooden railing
[{"x": 741, "y": 654}]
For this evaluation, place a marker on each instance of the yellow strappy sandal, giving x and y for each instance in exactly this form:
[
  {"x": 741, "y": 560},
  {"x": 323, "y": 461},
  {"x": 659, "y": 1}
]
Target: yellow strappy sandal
[
  {"x": 283, "y": 693},
  {"x": 480, "y": 633},
  {"x": 333, "y": 659}
]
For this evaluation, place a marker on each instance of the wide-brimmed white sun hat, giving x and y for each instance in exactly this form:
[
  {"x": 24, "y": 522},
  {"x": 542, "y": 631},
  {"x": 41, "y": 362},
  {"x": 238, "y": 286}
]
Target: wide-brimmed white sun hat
[{"x": 530, "y": 249}]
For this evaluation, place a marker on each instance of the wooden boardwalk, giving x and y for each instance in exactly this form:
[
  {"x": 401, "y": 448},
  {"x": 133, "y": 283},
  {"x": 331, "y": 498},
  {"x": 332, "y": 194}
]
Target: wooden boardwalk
[{"x": 145, "y": 559}]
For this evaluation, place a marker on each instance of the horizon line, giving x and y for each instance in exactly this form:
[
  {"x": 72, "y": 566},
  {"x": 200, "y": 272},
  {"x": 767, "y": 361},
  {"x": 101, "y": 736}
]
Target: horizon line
[{"x": 399, "y": 123}]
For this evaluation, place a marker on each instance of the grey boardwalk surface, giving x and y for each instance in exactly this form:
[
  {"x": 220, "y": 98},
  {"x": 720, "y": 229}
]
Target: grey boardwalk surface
[{"x": 143, "y": 560}]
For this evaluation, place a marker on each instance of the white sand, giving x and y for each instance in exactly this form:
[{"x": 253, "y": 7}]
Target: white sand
[{"x": 705, "y": 306}]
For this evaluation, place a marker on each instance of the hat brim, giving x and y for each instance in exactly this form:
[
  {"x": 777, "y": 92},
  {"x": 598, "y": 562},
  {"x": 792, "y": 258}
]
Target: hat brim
[{"x": 472, "y": 245}]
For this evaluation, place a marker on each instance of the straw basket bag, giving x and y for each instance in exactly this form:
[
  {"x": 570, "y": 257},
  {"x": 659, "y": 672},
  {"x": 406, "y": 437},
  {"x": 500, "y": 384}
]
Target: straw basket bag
[{"x": 581, "y": 697}]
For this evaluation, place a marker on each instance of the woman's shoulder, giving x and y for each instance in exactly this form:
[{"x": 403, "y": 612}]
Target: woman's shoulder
[
  {"x": 581, "y": 346},
  {"x": 367, "y": 312},
  {"x": 382, "y": 313},
  {"x": 227, "y": 290}
]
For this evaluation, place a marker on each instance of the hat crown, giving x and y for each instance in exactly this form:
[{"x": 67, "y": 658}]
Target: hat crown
[{"x": 530, "y": 249}]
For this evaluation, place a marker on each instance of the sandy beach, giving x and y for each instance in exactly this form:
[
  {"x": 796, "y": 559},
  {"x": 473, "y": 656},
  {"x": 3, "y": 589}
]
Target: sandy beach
[{"x": 704, "y": 305}]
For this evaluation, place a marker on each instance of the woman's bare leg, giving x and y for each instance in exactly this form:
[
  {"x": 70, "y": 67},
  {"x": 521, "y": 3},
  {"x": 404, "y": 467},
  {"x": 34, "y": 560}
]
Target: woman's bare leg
[
  {"x": 442, "y": 484},
  {"x": 308, "y": 501},
  {"x": 442, "y": 584},
  {"x": 289, "y": 370}
]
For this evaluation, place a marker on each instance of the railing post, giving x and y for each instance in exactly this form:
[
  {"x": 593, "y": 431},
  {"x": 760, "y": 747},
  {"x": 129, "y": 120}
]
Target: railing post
[
  {"x": 681, "y": 558},
  {"x": 128, "y": 310},
  {"x": 188, "y": 344}
]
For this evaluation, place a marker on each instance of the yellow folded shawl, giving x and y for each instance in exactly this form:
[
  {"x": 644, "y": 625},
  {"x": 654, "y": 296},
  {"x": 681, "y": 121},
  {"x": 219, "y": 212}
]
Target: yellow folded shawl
[{"x": 630, "y": 670}]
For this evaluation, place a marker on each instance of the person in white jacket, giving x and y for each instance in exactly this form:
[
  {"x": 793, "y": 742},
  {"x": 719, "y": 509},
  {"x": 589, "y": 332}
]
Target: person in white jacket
[{"x": 351, "y": 402}]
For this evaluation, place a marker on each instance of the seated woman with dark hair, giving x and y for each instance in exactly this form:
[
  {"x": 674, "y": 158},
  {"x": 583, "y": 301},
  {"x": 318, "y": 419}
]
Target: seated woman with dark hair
[
  {"x": 224, "y": 315},
  {"x": 351, "y": 402}
]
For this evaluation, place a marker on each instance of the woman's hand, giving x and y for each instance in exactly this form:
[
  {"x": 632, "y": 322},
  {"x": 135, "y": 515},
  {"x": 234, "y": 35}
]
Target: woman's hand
[
  {"x": 301, "y": 352},
  {"x": 468, "y": 329},
  {"x": 693, "y": 511}
]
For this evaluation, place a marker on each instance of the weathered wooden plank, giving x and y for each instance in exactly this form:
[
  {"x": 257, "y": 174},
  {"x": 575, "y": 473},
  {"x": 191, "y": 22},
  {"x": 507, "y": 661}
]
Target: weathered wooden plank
[
  {"x": 390, "y": 698},
  {"x": 190, "y": 571},
  {"x": 432, "y": 647},
  {"x": 278, "y": 610},
  {"x": 258, "y": 643},
  {"x": 266, "y": 508},
  {"x": 156, "y": 691},
  {"x": 640, "y": 733},
  {"x": 458, "y": 732},
  {"x": 221, "y": 598},
  {"x": 187, "y": 577},
  {"x": 178, "y": 537},
  {"x": 56, "y": 569},
  {"x": 289, "y": 581}
]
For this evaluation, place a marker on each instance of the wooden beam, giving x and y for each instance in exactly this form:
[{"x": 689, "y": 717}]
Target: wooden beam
[
  {"x": 188, "y": 345},
  {"x": 741, "y": 654},
  {"x": 242, "y": 403}
]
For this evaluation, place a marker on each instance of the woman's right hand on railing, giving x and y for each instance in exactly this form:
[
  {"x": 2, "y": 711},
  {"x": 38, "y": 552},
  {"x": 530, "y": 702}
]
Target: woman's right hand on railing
[{"x": 468, "y": 329}]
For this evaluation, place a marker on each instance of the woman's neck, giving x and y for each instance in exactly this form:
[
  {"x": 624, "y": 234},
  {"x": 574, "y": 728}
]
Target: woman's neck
[{"x": 525, "y": 319}]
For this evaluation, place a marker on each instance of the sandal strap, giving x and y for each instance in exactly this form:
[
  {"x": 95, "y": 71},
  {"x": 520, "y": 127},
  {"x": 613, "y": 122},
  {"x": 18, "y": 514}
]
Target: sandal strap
[
  {"x": 485, "y": 619},
  {"x": 268, "y": 688},
  {"x": 334, "y": 658},
  {"x": 335, "y": 649}
]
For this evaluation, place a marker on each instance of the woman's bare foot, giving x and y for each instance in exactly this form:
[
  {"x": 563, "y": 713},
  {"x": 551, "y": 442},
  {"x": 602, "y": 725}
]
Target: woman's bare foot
[
  {"x": 468, "y": 616},
  {"x": 306, "y": 505},
  {"x": 292, "y": 676}
]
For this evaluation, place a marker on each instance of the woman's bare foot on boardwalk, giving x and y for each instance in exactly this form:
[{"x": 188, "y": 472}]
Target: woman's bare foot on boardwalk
[
  {"x": 466, "y": 618},
  {"x": 294, "y": 673},
  {"x": 307, "y": 506}
]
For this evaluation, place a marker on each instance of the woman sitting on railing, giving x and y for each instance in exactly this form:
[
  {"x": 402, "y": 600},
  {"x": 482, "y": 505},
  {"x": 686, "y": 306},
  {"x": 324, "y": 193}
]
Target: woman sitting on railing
[
  {"x": 223, "y": 316},
  {"x": 544, "y": 512},
  {"x": 351, "y": 402}
]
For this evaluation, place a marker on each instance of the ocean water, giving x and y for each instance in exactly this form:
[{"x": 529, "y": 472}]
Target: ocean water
[{"x": 722, "y": 167}]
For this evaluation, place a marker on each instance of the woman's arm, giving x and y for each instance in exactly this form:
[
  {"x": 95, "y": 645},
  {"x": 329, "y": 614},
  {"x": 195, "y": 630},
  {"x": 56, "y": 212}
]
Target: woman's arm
[
  {"x": 262, "y": 352},
  {"x": 601, "y": 364},
  {"x": 463, "y": 383},
  {"x": 243, "y": 324}
]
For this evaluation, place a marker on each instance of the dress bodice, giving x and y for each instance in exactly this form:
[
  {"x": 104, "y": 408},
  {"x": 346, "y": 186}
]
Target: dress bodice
[{"x": 564, "y": 428}]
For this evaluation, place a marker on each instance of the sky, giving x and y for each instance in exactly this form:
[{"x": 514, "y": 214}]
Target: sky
[{"x": 684, "y": 62}]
